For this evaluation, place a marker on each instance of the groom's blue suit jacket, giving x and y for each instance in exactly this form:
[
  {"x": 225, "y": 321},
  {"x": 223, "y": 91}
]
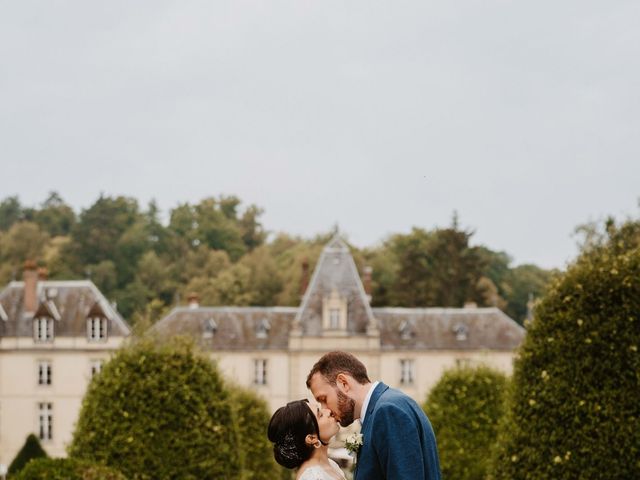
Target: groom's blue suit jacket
[{"x": 398, "y": 441}]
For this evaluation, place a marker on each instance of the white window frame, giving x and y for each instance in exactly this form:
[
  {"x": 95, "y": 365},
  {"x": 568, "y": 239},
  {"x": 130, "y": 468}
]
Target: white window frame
[
  {"x": 43, "y": 329},
  {"x": 45, "y": 421},
  {"x": 260, "y": 371},
  {"x": 407, "y": 371},
  {"x": 44, "y": 372},
  {"x": 97, "y": 329},
  {"x": 96, "y": 367}
]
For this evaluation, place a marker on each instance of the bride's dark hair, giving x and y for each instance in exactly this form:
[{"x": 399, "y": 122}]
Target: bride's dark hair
[{"x": 288, "y": 429}]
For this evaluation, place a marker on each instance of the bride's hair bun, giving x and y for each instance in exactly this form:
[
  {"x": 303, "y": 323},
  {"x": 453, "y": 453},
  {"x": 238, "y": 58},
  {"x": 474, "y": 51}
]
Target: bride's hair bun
[{"x": 288, "y": 429}]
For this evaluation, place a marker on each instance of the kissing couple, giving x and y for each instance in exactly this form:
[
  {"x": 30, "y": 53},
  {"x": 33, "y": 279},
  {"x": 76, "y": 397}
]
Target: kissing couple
[{"x": 397, "y": 441}]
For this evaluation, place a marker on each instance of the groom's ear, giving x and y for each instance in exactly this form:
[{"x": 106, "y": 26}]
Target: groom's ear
[{"x": 342, "y": 381}]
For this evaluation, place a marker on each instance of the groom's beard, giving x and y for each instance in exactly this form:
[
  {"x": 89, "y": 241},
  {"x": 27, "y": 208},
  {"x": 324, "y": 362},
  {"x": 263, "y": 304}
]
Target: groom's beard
[{"x": 346, "y": 407}]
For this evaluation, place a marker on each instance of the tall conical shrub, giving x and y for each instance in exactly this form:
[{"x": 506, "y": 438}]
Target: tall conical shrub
[
  {"x": 574, "y": 411},
  {"x": 30, "y": 450},
  {"x": 465, "y": 407}
]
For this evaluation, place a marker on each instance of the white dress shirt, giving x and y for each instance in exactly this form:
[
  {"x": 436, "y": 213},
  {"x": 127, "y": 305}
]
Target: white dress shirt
[{"x": 365, "y": 405}]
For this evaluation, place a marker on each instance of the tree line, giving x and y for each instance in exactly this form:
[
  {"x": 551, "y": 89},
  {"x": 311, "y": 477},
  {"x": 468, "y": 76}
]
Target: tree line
[{"x": 219, "y": 249}]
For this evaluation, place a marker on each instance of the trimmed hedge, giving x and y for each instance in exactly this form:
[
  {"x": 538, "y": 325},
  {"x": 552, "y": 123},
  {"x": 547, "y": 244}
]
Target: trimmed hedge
[
  {"x": 252, "y": 419},
  {"x": 67, "y": 469},
  {"x": 575, "y": 408},
  {"x": 159, "y": 411},
  {"x": 465, "y": 407},
  {"x": 30, "y": 450}
]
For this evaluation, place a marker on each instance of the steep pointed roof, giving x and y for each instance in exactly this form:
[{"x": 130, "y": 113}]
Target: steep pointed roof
[{"x": 335, "y": 273}]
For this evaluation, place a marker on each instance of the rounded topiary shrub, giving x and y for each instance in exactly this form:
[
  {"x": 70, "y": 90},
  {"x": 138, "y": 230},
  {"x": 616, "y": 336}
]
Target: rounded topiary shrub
[
  {"x": 30, "y": 450},
  {"x": 159, "y": 411},
  {"x": 66, "y": 469},
  {"x": 465, "y": 407},
  {"x": 575, "y": 407},
  {"x": 252, "y": 419}
]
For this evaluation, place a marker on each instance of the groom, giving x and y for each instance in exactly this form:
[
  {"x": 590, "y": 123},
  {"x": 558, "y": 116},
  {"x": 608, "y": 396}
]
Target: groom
[{"x": 398, "y": 441}]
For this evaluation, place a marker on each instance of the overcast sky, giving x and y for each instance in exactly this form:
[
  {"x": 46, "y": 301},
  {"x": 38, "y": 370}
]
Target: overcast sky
[{"x": 524, "y": 116}]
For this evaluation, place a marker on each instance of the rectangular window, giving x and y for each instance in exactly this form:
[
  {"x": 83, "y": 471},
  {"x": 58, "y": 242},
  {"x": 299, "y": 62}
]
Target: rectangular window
[
  {"x": 44, "y": 372},
  {"x": 96, "y": 329},
  {"x": 406, "y": 372},
  {"x": 96, "y": 367},
  {"x": 43, "y": 329},
  {"x": 260, "y": 371},
  {"x": 46, "y": 421},
  {"x": 334, "y": 318}
]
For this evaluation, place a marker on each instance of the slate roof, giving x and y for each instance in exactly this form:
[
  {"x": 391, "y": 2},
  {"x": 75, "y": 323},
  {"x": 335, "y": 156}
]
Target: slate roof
[
  {"x": 335, "y": 271},
  {"x": 68, "y": 302},
  {"x": 232, "y": 328},
  {"x": 447, "y": 329},
  {"x": 268, "y": 328},
  {"x": 237, "y": 328}
]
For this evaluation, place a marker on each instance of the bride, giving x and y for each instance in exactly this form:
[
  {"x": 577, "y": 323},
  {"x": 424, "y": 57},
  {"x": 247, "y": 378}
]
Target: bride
[{"x": 300, "y": 438}]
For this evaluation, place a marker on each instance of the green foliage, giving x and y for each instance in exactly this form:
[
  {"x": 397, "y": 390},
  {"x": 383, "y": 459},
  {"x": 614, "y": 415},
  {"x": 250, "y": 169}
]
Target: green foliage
[
  {"x": 219, "y": 250},
  {"x": 522, "y": 282},
  {"x": 436, "y": 268},
  {"x": 30, "y": 450},
  {"x": 252, "y": 418},
  {"x": 465, "y": 407},
  {"x": 67, "y": 469},
  {"x": 158, "y": 411},
  {"x": 55, "y": 217},
  {"x": 10, "y": 212},
  {"x": 574, "y": 410}
]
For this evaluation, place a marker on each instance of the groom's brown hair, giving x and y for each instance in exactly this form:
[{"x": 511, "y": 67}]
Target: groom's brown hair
[{"x": 333, "y": 363}]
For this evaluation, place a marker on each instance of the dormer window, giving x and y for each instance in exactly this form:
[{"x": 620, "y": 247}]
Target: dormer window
[
  {"x": 334, "y": 318},
  {"x": 43, "y": 329},
  {"x": 334, "y": 312},
  {"x": 263, "y": 328},
  {"x": 461, "y": 331},
  {"x": 406, "y": 330},
  {"x": 96, "y": 329},
  {"x": 210, "y": 328}
]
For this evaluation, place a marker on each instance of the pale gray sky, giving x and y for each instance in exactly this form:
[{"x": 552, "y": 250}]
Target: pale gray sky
[{"x": 524, "y": 116}]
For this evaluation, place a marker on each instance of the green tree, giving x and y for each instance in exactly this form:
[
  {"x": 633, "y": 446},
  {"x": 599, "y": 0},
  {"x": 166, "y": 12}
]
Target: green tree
[
  {"x": 55, "y": 217},
  {"x": 29, "y": 451},
  {"x": 10, "y": 212},
  {"x": 465, "y": 407},
  {"x": 436, "y": 268},
  {"x": 23, "y": 241},
  {"x": 252, "y": 416},
  {"x": 574, "y": 410},
  {"x": 211, "y": 222},
  {"x": 67, "y": 469},
  {"x": 523, "y": 282},
  {"x": 100, "y": 228},
  {"x": 158, "y": 411}
]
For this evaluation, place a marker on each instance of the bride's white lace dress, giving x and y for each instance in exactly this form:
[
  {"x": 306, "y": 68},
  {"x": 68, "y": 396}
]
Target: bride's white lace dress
[{"x": 318, "y": 473}]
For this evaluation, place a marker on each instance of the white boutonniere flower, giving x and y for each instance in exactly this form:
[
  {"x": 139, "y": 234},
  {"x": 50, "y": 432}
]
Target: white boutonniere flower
[{"x": 353, "y": 442}]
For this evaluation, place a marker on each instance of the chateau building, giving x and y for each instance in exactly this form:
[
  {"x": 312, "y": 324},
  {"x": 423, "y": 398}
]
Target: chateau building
[
  {"x": 272, "y": 349},
  {"x": 54, "y": 336}
]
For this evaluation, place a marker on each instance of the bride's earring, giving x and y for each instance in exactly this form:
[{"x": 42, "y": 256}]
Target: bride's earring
[{"x": 317, "y": 444}]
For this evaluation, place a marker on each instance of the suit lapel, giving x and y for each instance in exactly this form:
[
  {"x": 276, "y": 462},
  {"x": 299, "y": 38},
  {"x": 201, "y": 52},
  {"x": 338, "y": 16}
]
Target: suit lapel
[
  {"x": 375, "y": 396},
  {"x": 367, "y": 425}
]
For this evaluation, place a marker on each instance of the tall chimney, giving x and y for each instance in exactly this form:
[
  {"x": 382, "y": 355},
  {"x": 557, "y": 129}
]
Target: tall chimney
[
  {"x": 194, "y": 300},
  {"x": 43, "y": 273},
  {"x": 367, "y": 281},
  {"x": 30, "y": 277},
  {"x": 304, "y": 282}
]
